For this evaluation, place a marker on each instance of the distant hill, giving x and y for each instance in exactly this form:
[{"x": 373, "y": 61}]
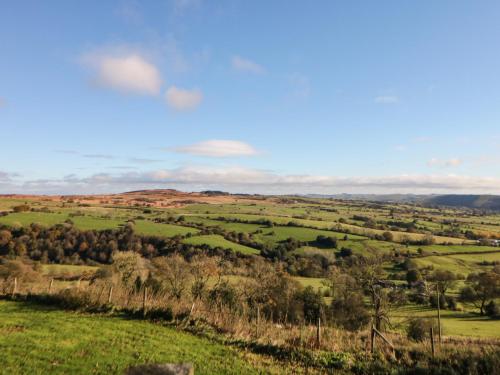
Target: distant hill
[{"x": 483, "y": 202}]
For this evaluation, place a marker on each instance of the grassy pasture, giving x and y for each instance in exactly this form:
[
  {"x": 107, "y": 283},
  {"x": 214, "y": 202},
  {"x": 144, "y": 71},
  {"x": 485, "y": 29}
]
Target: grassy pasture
[
  {"x": 454, "y": 323},
  {"x": 442, "y": 249},
  {"x": 214, "y": 240},
  {"x": 150, "y": 228},
  {"x": 459, "y": 263},
  {"x": 41, "y": 340},
  {"x": 68, "y": 269},
  {"x": 27, "y": 218},
  {"x": 49, "y": 219},
  {"x": 358, "y": 230},
  {"x": 316, "y": 283}
]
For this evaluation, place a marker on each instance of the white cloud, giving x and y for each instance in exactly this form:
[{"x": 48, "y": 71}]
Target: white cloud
[
  {"x": 219, "y": 148},
  {"x": 247, "y": 180},
  {"x": 182, "y": 99},
  {"x": 245, "y": 65},
  {"x": 98, "y": 156},
  {"x": 128, "y": 73},
  {"x": 453, "y": 162},
  {"x": 5, "y": 176},
  {"x": 386, "y": 99}
]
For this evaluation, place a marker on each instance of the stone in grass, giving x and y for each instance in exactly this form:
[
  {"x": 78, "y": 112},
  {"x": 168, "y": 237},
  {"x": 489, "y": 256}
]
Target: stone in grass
[{"x": 161, "y": 369}]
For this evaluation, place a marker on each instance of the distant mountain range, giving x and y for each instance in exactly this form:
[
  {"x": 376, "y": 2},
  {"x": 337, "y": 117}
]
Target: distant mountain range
[{"x": 482, "y": 202}]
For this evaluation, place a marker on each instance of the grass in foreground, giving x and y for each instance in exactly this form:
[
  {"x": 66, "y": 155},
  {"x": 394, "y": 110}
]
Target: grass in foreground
[{"x": 41, "y": 340}]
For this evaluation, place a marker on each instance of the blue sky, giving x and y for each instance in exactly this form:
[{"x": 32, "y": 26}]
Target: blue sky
[{"x": 250, "y": 96}]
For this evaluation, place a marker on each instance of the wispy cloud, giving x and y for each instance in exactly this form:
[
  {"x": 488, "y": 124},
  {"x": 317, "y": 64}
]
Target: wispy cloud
[
  {"x": 144, "y": 160},
  {"x": 7, "y": 176},
  {"x": 246, "y": 65},
  {"x": 386, "y": 99},
  {"x": 444, "y": 163},
  {"x": 219, "y": 148},
  {"x": 98, "y": 156},
  {"x": 67, "y": 152},
  {"x": 183, "y": 99},
  {"x": 126, "y": 72},
  {"x": 240, "y": 179}
]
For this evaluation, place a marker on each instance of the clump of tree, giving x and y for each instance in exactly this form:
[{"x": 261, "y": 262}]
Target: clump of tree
[{"x": 481, "y": 290}]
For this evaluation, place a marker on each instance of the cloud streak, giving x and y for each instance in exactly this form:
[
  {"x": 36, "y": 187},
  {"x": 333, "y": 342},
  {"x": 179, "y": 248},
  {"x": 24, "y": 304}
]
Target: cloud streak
[
  {"x": 247, "y": 180},
  {"x": 218, "y": 148},
  {"x": 435, "y": 162},
  {"x": 386, "y": 99},
  {"x": 245, "y": 65}
]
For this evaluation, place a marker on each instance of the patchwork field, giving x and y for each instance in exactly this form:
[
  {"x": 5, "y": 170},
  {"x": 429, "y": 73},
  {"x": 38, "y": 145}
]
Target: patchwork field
[{"x": 255, "y": 226}]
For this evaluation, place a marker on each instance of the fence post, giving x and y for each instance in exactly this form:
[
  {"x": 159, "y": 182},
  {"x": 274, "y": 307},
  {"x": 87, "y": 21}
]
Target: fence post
[
  {"x": 432, "y": 341},
  {"x": 110, "y": 294},
  {"x": 439, "y": 315},
  {"x": 144, "y": 297},
  {"x": 14, "y": 289},
  {"x": 372, "y": 339},
  {"x": 258, "y": 322},
  {"x": 51, "y": 283},
  {"x": 318, "y": 333}
]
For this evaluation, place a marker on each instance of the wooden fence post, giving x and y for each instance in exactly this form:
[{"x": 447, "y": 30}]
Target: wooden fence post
[
  {"x": 258, "y": 322},
  {"x": 318, "y": 333},
  {"x": 432, "y": 341},
  {"x": 51, "y": 283},
  {"x": 386, "y": 340},
  {"x": 14, "y": 289},
  {"x": 110, "y": 294},
  {"x": 144, "y": 297},
  {"x": 439, "y": 315},
  {"x": 372, "y": 339}
]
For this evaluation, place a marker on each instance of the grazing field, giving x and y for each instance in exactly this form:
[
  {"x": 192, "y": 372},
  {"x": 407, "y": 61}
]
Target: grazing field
[
  {"x": 219, "y": 241},
  {"x": 454, "y": 323},
  {"x": 27, "y": 218},
  {"x": 150, "y": 228},
  {"x": 41, "y": 340}
]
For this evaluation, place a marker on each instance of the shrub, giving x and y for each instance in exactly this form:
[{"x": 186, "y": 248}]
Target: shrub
[
  {"x": 350, "y": 312},
  {"x": 492, "y": 309},
  {"x": 442, "y": 301},
  {"x": 419, "y": 329}
]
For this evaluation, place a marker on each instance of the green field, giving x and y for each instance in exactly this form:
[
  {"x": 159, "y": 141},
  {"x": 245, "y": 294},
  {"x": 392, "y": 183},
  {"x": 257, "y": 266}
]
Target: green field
[
  {"x": 40, "y": 340},
  {"x": 454, "y": 323},
  {"x": 48, "y": 219},
  {"x": 150, "y": 228},
  {"x": 460, "y": 263},
  {"x": 26, "y": 218},
  {"x": 215, "y": 240}
]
